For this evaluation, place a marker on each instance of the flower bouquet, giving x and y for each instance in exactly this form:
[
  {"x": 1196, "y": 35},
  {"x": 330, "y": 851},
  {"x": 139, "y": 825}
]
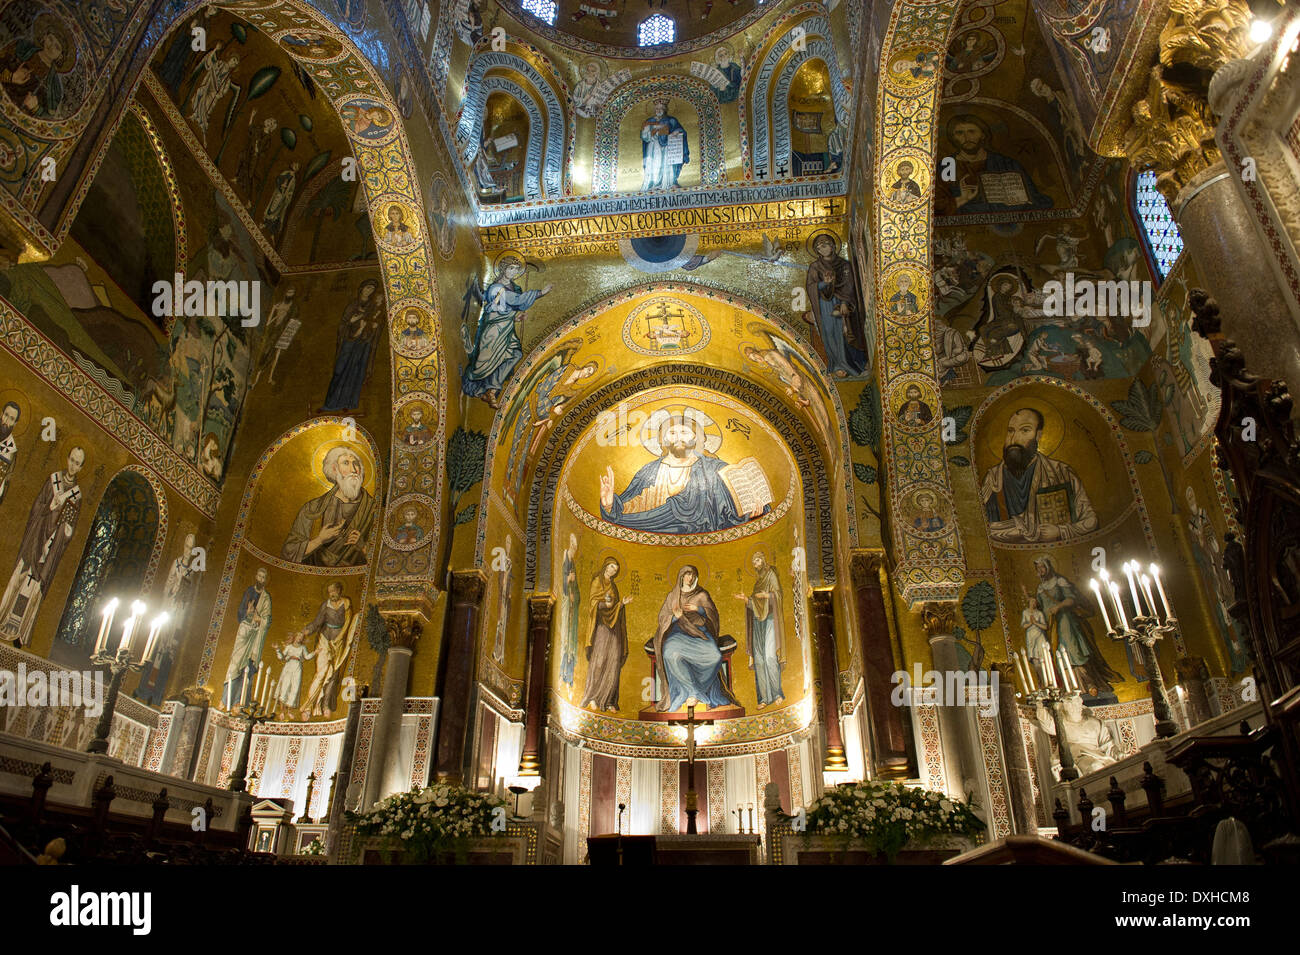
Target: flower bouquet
[
  {"x": 432, "y": 821},
  {"x": 885, "y": 818}
]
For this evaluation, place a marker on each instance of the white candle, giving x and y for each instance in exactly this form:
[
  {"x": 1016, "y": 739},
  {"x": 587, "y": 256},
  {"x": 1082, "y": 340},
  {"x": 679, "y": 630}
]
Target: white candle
[
  {"x": 1160, "y": 587},
  {"x": 1119, "y": 605},
  {"x": 1020, "y": 669},
  {"x": 105, "y": 625},
  {"x": 1096, "y": 590},
  {"x": 225, "y": 696},
  {"x": 1132, "y": 586},
  {"x": 1146, "y": 592},
  {"x": 127, "y": 627},
  {"x": 1029, "y": 672},
  {"x": 243, "y": 694}
]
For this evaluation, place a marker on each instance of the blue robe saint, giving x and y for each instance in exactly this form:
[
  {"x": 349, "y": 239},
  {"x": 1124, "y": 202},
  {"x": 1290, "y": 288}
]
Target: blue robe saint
[
  {"x": 704, "y": 504},
  {"x": 496, "y": 343}
]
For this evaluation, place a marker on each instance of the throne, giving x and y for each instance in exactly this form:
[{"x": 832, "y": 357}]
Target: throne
[{"x": 726, "y": 646}]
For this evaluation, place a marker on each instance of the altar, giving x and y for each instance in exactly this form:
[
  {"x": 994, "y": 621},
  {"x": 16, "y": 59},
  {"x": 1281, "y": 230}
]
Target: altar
[{"x": 722, "y": 849}]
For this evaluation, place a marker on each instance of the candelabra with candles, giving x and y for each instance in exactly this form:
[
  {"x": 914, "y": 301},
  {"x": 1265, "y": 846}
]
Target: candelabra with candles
[
  {"x": 252, "y": 713},
  {"x": 1052, "y": 692},
  {"x": 120, "y": 661},
  {"x": 1142, "y": 631}
]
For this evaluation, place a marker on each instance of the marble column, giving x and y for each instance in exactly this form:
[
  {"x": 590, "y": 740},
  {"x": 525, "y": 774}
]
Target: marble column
[
  {"x": 940, "y": 620},
  {"x": 383, "y": 776},
  {"x": 823, "y": 600},
  {"x": 457, "y": 676},
  {"x": 1024, "y": 815},
  {"x": 893, "y": 752},
  {"x": 539, "y": 643},
  {"x": 1222, "y": 236}
]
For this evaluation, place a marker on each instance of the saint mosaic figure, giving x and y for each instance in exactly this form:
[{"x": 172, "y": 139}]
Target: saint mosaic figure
[
  {"x": 50, "y": 524},
  {"x": 607, "y": 651},
  {"x": 833, "y": 302},
  {"x": 331, "y": 627},
  {"x": 254, "y": 619},
  {"x": 660, "y": 165},
  {"x": 570, "y": 598},
  {"x": 359, "y": 331},
  {"x": 1030, "y": 497},
  {"x": 1067, "y": 613},
  {"x": 496, "y": 340},
  {"x": 9, "y": 416},
  {"x": 688, "y": 659},
  {"x": 332, "y": 530},
  {"x": 765, "y": 630},
  {"x": 686, "y": 490}
]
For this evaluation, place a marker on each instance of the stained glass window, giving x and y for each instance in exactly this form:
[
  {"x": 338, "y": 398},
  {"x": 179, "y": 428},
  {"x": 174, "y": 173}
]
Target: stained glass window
[
  {"x": 114, "y": 561},
  {"x": 658, "y": 29},
  {"x": 544, "y": 10},
  {"x": 1161, "y": 232}
]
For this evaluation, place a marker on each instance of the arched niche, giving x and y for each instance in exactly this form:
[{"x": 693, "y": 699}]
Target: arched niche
[
  {"x": 617, "y": 156},
  {"x": 622, "y": 664},
  {"x": 614, "y": 348},
  {"x": 803, "y": 36},
  {"x": 119, "y": 559},
  {"x": 538, "y": 93},
  {"x": 285, "y": 506}
]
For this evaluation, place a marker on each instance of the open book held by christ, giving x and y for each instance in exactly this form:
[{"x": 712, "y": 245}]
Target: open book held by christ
[{"x": 748, "y": 486}]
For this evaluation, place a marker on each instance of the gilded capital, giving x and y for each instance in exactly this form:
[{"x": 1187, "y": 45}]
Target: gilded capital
[
  {"x": 1171, "y": 128},
  {"x": 467, "y": 587},
  {"x": 403, "y": 630},
  {"x": 865, "y": 567},
  {"x": 939, "y": 617},
  {"x": 539, "y": 611}
]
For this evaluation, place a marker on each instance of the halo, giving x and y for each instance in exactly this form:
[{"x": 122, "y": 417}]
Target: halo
[
  {"x": 1053, "y": 426},
  {"x": 675, "y": 566},
  {"x": 360, "y": 447},
  {"x": 49, "y": 22},
  {"x": 707, "y": 433},
  {"x": 507, "y": 254},
  {"x": 24, "y": 413},
  {"x": 811, "y": 242}
]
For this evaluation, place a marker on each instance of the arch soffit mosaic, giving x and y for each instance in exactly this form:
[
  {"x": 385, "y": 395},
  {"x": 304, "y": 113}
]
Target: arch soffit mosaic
[{"x": 389, "y": 177}]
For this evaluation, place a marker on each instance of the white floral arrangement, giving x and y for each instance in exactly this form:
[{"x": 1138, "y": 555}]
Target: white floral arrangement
[
  {"x": 887, "y": 816},
  {"x": 314, "y": 848},
  {"x": 438, "y": 817}
]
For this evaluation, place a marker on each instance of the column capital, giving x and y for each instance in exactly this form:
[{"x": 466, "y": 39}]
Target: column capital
[
  {"x": 865, "y": 567},
  {"x": 1170, "y": 126},
  {"x": 403, "y": 630},
  {"x": 539, "y": 610},
  {"x": 467, "y": 586},
  {"x": 939, "y": 618}
]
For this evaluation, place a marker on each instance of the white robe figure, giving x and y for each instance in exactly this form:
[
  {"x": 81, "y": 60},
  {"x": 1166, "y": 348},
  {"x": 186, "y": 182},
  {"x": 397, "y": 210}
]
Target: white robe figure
[
  {"x": 289, "y": 688},
  {"x": 1089, "y": 741},
  {"x": 1037, "y": 644},
  {"x": 214, "y": 85}
]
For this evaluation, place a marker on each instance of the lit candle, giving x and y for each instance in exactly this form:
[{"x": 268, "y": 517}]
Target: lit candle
[
  {"x": 127, "y": 627},
  {"x": 1096, "y": 590},
  {"x": 1119, "y": 605},
  {"x": 1160, "y": 587},
  {"x": 105, "y": 625},
  {"x": 1129, "y": 567},
  {"x": 154, "y": 629},
  {"x": 243, "y": 693},
  {"x": 1146, "y": 592}
]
